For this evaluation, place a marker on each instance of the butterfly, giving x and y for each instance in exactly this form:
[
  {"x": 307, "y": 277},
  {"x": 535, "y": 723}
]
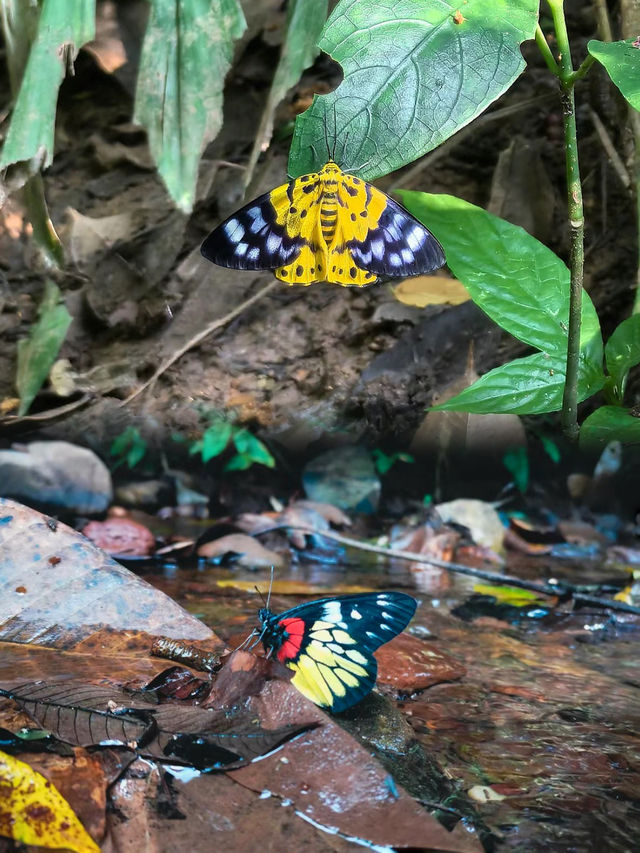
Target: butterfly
[
  {"x": 329, "y": 643},
  {"x": 325, "y": 226}
]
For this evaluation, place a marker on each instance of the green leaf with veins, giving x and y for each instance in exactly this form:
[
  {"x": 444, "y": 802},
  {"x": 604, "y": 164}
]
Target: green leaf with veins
[
  {"x": 622, "y": 61},
  {"x": 514, "y": 278},
  {"x": 187, "y": 51},
  {"x": 415, "y": 72},
  {"x": 62, "y": 28}
]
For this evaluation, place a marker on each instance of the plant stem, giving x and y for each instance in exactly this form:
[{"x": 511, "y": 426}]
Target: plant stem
[
  {"x": 545, "y": 50},
  {"x": 569, "y": 415}
]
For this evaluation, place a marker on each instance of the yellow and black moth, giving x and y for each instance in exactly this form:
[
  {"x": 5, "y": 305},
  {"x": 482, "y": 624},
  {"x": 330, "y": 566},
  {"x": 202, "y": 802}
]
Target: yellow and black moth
[
  {"x": 329, "y": 643},
  {"x": 325, "y": 226}
]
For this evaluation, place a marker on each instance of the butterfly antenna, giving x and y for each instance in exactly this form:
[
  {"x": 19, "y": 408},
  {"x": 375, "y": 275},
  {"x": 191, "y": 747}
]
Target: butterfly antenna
[
  {"x": 257, "y": 589},
  {"x": 270, "y": 588},
  {"x": 246, "y": 641}
]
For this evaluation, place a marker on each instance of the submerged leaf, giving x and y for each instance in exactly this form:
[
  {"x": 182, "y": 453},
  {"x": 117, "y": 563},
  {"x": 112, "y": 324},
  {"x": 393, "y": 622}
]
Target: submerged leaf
[{"x": 88, "y": 714}]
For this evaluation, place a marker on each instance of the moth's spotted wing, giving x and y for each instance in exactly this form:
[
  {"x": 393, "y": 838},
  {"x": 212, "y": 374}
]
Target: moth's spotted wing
[
  {"x": 396, "y": 244},
  {"x": 256, "y": 236},
  {"x": 329, "y": 643}
]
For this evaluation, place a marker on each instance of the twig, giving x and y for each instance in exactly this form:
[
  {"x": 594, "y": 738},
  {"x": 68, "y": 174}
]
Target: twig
[
  {"x": 604, "y": 24},
  {"x": 196, "y": 339},
  {"x": 408, "y": 177},
  {"x": 555, "y": 589},
  {"x": 616, "y": 160}
]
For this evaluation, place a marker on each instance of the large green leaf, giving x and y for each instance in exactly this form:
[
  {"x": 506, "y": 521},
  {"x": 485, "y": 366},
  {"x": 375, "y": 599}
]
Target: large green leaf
[
  {"x": 186, "y": 54},
  {"x": 37, "y": 352},
  {"x": 63, "y": 27},
  {"x": 622, "y": 353},
  {"x": 622, "y": 61},
  {"x": 415, "y": 72},
  {"x": 526, "y": 386},
  {"x": 609, "y": 423},
  {"x": 305, "y": 19},
  {"x": 515, "y": 279}
]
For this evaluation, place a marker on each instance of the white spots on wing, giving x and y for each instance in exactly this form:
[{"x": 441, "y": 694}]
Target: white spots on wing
[
  {"x": 253, "y": 254},
  {"x": 377, "y": 249},
  {"x": 355, "y": 614},
  {"x": 407, "y": 255},
  {"x": 241, "y": 249},
  {"x": 386, "y": 615},
  {"x": 258, "y": 223},
  {"x": 371, "y": 635},
  {"x": 415, "y": 237},
  {"x": 273, "y": 243},
  {"x": 386, "y": 628},
  {"x": 395, "y": 260},
  {"x": 233, "y": 230},
  {"x": 332, "y": 611},
  {"x": 365, "y": 257}
]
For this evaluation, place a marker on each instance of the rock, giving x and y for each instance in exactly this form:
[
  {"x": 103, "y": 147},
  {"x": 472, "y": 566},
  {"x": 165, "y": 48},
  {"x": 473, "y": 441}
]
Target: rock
[
  {"x": 480, "y": 517},
  {"x": 345, "y": 477},
  {"x": 407, "y": 664},
  {"x": 121, "y": 537},
  {"x": 56, "y": 474}
]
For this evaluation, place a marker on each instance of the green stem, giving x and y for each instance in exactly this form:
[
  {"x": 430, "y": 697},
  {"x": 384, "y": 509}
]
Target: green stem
[
  {"x": 545, "y": 50},
  {"x": 569, "y": 415},
  {"x": 44, "y": 233}
]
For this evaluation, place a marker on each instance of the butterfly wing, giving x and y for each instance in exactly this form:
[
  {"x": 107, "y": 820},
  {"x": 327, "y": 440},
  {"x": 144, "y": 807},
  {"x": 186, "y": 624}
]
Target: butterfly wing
[
  {"x": 277, "y": 231},
  {"x": 329, "y": 643},
  {"x": 380, "y": 236}
]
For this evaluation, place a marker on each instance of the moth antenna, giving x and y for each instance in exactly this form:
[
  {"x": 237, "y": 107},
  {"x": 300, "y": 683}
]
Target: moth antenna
[
  {"x": 335, "y": 132},
  {"x": 315, "y": 153},
  {"x": 257, "y": 589},
  {"x": 326, "y": 135},
  {"x": 344, "y": 146}
]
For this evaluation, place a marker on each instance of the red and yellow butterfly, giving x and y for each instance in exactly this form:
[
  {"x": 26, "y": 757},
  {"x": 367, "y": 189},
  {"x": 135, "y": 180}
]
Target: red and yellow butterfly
[
  {"x": 329, "y": 643},
  {"x": 325, "y": 226}
]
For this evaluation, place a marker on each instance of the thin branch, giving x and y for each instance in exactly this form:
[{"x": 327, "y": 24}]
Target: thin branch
[
  {"x": 197, "y": 339},
  {"x": 545, "y": 50},
  {"x": 616, "y": 160},
  {"x": 554, "y": 589}
]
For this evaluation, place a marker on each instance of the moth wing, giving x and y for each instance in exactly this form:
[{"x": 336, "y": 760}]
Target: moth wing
[
  {"x": 256, "y": 237},
  {"x": 395, "y": 242}
]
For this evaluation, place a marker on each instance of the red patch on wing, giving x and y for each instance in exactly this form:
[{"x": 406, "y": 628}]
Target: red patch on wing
[{"x": 291, "y": 646}]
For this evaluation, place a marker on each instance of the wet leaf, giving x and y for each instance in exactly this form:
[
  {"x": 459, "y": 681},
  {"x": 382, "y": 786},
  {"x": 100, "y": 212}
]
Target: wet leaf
[
  {"x": 509, "y": 594},
  {"x": 622, "y": 61},
  {"x": 37, "y": 352},
  {"x": 412, "y": 72},
  {"x": 85, "y": 714},
  {"x": 59, "y": 589},
  {"x": 62, "y": 28},
  {"x": 186, "y": 53},
  {"x": 32, "y": 811},
  {"x": 249, "y": 551},
  {"x": 423, "y": 290}
]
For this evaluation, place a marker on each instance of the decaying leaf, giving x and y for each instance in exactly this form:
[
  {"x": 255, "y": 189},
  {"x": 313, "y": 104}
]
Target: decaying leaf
[
  {"x": 250, "y": 552},
  {"x": 88, "y": 715},
  {"x": 32, "y": 811}
]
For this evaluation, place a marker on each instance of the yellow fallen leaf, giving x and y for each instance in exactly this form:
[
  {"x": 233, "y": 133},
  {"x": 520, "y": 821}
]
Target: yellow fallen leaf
[
  {"x": 423, "y": 290},
  {"x": 32, "y": 811},
  {"x": 293, "y": 587}
]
